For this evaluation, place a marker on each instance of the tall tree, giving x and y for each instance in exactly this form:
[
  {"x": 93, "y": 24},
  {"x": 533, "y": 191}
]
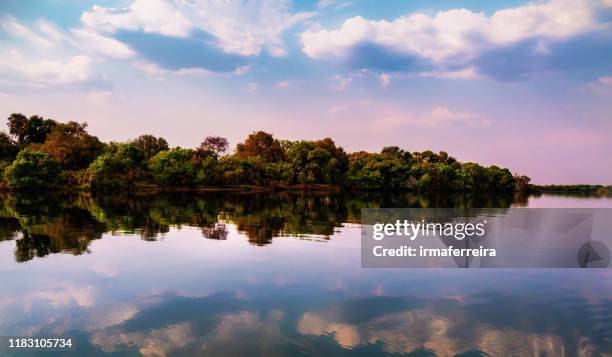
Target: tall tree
[
  {"x": 8, "y": 148},
  {"x": 29, "y": 130},
  {"x": 150, "y": 145},
  {"x": 260, "y": 144},
  {"x": 71, "y": 145},
  {"x": 215, "y": 145}
]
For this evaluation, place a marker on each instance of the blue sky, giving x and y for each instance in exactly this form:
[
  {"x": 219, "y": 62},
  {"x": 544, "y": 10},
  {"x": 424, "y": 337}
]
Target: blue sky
[{"x": 527, "y": 85}]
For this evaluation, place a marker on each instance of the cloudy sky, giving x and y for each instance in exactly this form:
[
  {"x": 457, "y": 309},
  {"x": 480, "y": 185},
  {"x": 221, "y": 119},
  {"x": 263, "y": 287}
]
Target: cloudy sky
[{"x": 527, "y": 85}]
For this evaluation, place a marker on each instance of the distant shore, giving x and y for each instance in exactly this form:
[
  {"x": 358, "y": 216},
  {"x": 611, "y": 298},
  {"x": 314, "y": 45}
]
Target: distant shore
[{"x": 599, "y": 189}]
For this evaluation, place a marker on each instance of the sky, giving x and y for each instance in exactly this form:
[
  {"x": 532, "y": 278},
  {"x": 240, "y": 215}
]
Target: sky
[{"x": 521, "y": 84}]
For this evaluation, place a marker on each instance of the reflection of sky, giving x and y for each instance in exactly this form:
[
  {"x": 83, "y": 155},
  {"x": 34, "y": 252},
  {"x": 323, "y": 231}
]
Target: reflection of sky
[
  {"x": 195, "y": 295},
  {"x": 418, "y": 74}
]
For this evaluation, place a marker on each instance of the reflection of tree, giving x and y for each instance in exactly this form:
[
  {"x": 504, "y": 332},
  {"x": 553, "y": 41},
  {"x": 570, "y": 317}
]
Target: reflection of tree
[
  {"x": 215, "y": 232},
  {"x": 9, "y": 228},
  {"x": 54, "y": 224}
]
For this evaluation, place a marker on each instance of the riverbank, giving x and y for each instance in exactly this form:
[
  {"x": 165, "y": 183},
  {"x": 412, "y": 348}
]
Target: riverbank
[{"x": 597, "y": 189}]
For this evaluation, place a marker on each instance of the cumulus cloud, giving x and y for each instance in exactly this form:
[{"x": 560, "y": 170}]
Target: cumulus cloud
[
  {"x": 149, "y": 16},
  {"x": 43, "y": 73},
  {"x": 243, "y": 28},
  {"x": 451, "y": 42}
]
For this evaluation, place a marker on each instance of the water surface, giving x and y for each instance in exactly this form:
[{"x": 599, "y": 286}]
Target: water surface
[{"x": 275, "y": 275}]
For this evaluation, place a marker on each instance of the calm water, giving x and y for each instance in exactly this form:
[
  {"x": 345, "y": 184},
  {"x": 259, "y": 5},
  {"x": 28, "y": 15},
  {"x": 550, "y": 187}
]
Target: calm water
[{"x": 275, "y": 275}]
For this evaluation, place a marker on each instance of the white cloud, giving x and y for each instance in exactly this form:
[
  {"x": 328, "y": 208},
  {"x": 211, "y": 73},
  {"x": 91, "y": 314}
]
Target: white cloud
[
  {"x": 155, "y": 16},
  {"x": 13, "y": 27},
  {"x": 438, "y": 117},
  {"x": 44, "y": 73},
  {"x": 443, "y": 115},
  {"x": 467, "y": 73},
  {"x": 103, "y": 45},
  {"x": 244, "y": 28},
  {"x": 47, "y": 39},
  {"x": 50, "y": 31},
  {"x": 46, "y": 56},
  {"x": 456, "y": 33}
]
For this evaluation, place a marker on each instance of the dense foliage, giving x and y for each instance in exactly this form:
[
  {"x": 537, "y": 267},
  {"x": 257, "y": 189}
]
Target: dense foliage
[
  {"x": 42, "y": 153},
  {"x": 33, "y": 169}
]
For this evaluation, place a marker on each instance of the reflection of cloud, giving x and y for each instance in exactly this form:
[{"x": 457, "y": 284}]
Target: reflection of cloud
[
  {"x": 244, "y": 326},
  {"x": 157, "y": 342},
  {"x": 346, "y": 335},
  {"x": 409, "y": 330},
  {"x": 115, "y": 314},
  {"x": 513, "y": 342},
  {"x": 83, "y": 296}
]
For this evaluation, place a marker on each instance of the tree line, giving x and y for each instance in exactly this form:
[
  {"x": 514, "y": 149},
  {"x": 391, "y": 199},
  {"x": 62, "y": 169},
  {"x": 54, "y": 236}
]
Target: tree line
[{"x": 39, "y": 153}]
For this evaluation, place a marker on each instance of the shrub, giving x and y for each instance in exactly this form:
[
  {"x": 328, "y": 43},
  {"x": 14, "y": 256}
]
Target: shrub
[{"x": 33, "y": 170}]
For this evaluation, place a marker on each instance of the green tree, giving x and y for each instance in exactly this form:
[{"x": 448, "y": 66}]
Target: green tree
[
  {"x": 8, "y": 148},
  {"x": 317, "y": 162},
  {"x": 150, "y": 145},
  {"x": 173, "y": 168},
  {"x": 121, "y": 167},
  {"x": 521, "y": 182},
  {"x": 33, "y": 170},
  {"x": 29, "y": 130}
]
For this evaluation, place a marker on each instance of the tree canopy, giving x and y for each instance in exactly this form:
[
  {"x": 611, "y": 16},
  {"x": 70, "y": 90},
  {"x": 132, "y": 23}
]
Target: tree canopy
[{"x": 42, "y": 152}]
